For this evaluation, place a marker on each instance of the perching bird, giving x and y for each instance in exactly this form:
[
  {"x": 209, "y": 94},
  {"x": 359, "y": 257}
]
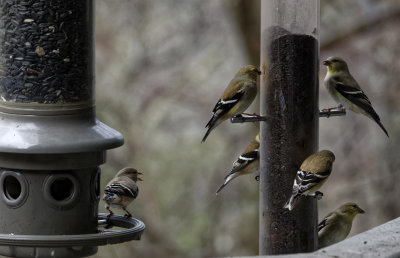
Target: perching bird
[
  {"x": 247, "y": 162},
  {"x": 337, "y": 225},
  {"x": 237, "y": 97},
  {"x": 313, "y": 173},
  {"x": 122, "y": 190},
  {"x": 346, "y": 91}
]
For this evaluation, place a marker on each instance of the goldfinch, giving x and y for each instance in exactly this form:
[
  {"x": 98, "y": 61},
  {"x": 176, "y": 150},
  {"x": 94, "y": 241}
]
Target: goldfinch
[
  {"x": 236, "y": 98},
  {"x": 313, "y": 173},
  {"x": 247, "y": 162},
  {"x": 336, "y": 225},
  {"x": 122, "y": 190},
  {"x": 346, "y": 91}
]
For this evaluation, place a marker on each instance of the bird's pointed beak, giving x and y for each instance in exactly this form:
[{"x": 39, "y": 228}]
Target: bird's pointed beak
[
  {"x": 139, "y": 179},
  {"x": 140, "y": 173},
  {"x": 259, "y": 72},
  {"x": 326, "y": 62},
  {"x": 361, "y": 210}
]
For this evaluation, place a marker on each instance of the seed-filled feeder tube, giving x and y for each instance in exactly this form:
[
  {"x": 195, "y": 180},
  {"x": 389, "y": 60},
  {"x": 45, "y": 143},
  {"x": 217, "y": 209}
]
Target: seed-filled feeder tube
[
  {"x": 289, "y": 99},
  {"x": 51, "y": 144},
  {"x": 46, "y": 54}
]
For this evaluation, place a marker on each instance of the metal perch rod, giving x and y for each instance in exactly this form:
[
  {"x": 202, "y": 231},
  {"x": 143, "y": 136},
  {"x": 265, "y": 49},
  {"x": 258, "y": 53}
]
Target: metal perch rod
[{"x": 257, "y": 118}]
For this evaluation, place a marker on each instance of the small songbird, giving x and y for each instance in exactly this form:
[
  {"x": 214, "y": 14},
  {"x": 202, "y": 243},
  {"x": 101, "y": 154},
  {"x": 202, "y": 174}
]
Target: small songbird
[
  {"x": 236, "y": 98},
  {"x": 313, "y": 173},
  {"x": 346, "y": 91},
  {"x": 247, "y": 162},
  {"x": 336, "y": 225},
  {"x": 122, "y": 190}
]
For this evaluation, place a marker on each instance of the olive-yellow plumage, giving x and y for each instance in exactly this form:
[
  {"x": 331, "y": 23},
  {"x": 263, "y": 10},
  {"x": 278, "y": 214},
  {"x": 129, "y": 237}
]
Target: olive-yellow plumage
[
  {"x": 248, "y": 162},
  {"x": 313, "y": 173},
  {"x": 236, "y": 98},
  {"x": 336, "y": 226},
  {"x": 345, "y": 90}
]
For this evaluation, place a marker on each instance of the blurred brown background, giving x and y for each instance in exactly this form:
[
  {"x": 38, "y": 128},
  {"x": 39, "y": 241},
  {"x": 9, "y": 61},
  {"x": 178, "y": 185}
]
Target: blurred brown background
[{"x": 160, "y": 68}]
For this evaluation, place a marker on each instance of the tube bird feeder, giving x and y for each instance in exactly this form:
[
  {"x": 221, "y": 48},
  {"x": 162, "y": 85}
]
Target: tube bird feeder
[
  {"x": 51, "y": 144},
  {"x": 289, "y": 100}
]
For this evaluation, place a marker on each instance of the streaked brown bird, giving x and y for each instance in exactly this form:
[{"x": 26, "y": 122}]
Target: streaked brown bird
[{"x": 122, "y": 190}]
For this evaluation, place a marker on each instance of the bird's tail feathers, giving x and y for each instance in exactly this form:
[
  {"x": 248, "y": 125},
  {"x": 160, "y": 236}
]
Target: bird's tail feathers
[
  {"x": 211, "y": 125},
  {"x": 206, "y": 135},
  {"x": 291, "y": 203},
  {"x": 381, "y": 126},
  {"x": 228, "y": 178},
  {"x": 375, "y": 117},
  {"x": 211, "y": 121}
]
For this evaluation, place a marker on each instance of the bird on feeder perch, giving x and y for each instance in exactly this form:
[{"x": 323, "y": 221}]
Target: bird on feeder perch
[
  {"x": 346, "y": 91},
  {"x": 313, "y": 173},
  {"x": 122, "y": 190},
  {"x": 236, "y": 98},
  {"x": 248, "y": 161}
]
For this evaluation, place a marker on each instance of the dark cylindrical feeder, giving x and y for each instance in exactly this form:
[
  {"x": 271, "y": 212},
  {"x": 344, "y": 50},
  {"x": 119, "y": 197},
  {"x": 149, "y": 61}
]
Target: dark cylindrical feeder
[
  {"x": 289, "y": 98},
  {"x": 51, "y": 143}
]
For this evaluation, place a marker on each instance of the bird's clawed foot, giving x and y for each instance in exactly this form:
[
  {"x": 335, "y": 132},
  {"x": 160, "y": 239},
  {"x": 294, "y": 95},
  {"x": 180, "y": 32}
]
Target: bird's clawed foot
[
  {"x": 318, "y": 195},
  {"x": 108, "y": 225},
  {"x": 109, "y": 214},
  {"x": 128, "y": 214},
  {"x": 329, "y": 110}
]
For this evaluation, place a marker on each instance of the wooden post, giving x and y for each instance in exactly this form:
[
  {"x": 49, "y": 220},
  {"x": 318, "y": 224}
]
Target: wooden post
[{"x": 289, "y": 100}]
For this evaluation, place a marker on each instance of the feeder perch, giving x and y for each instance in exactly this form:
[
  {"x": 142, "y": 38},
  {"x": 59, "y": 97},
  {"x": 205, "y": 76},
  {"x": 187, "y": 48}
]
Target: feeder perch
[
  {"x": 242, "y": 118},
  {"x": 51, "y": 144}
]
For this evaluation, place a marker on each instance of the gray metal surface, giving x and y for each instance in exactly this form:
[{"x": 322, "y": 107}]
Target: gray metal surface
[
  {"x": 51, "y": 143},
  {"x": 132, "y": 230},
  {"x": 49, "y": 203},
  {"x": 52, "y": 134},
  {"x": 71, "y": 245},
  {"x": 381, "y": 241},
  {"x": 48, "y": 252}
]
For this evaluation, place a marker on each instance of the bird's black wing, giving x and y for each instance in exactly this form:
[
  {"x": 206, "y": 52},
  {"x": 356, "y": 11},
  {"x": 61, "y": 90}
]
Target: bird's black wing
[
  {"x": 322, "y": 224},
  {"x": 358, "y": 98},
  {"x": 221, "y": 108},
  {"x": 226, "y": 104},
  {"x": 244, "y": 160},
  {"x": 324, "y": 221},
  {"x": 122, "y": 190},
  {"x": 304, "y": 181}
]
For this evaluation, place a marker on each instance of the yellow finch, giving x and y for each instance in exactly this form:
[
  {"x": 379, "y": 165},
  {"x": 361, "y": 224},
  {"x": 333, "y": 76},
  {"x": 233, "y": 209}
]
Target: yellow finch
[
  {"x": 247, "y": 162},
  {"x": 122, "y": 190},
  {"x": 346, "y": 91},
  {"x": 237, "y": 97},
  {"x": 336, "y": 225},
  {"x": 313, "y": 173}
]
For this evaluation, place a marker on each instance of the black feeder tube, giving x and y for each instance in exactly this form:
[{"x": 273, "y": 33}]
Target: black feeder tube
[
  {"x": 51, "y": 144},
  {"x": 289, "y": 100}
]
